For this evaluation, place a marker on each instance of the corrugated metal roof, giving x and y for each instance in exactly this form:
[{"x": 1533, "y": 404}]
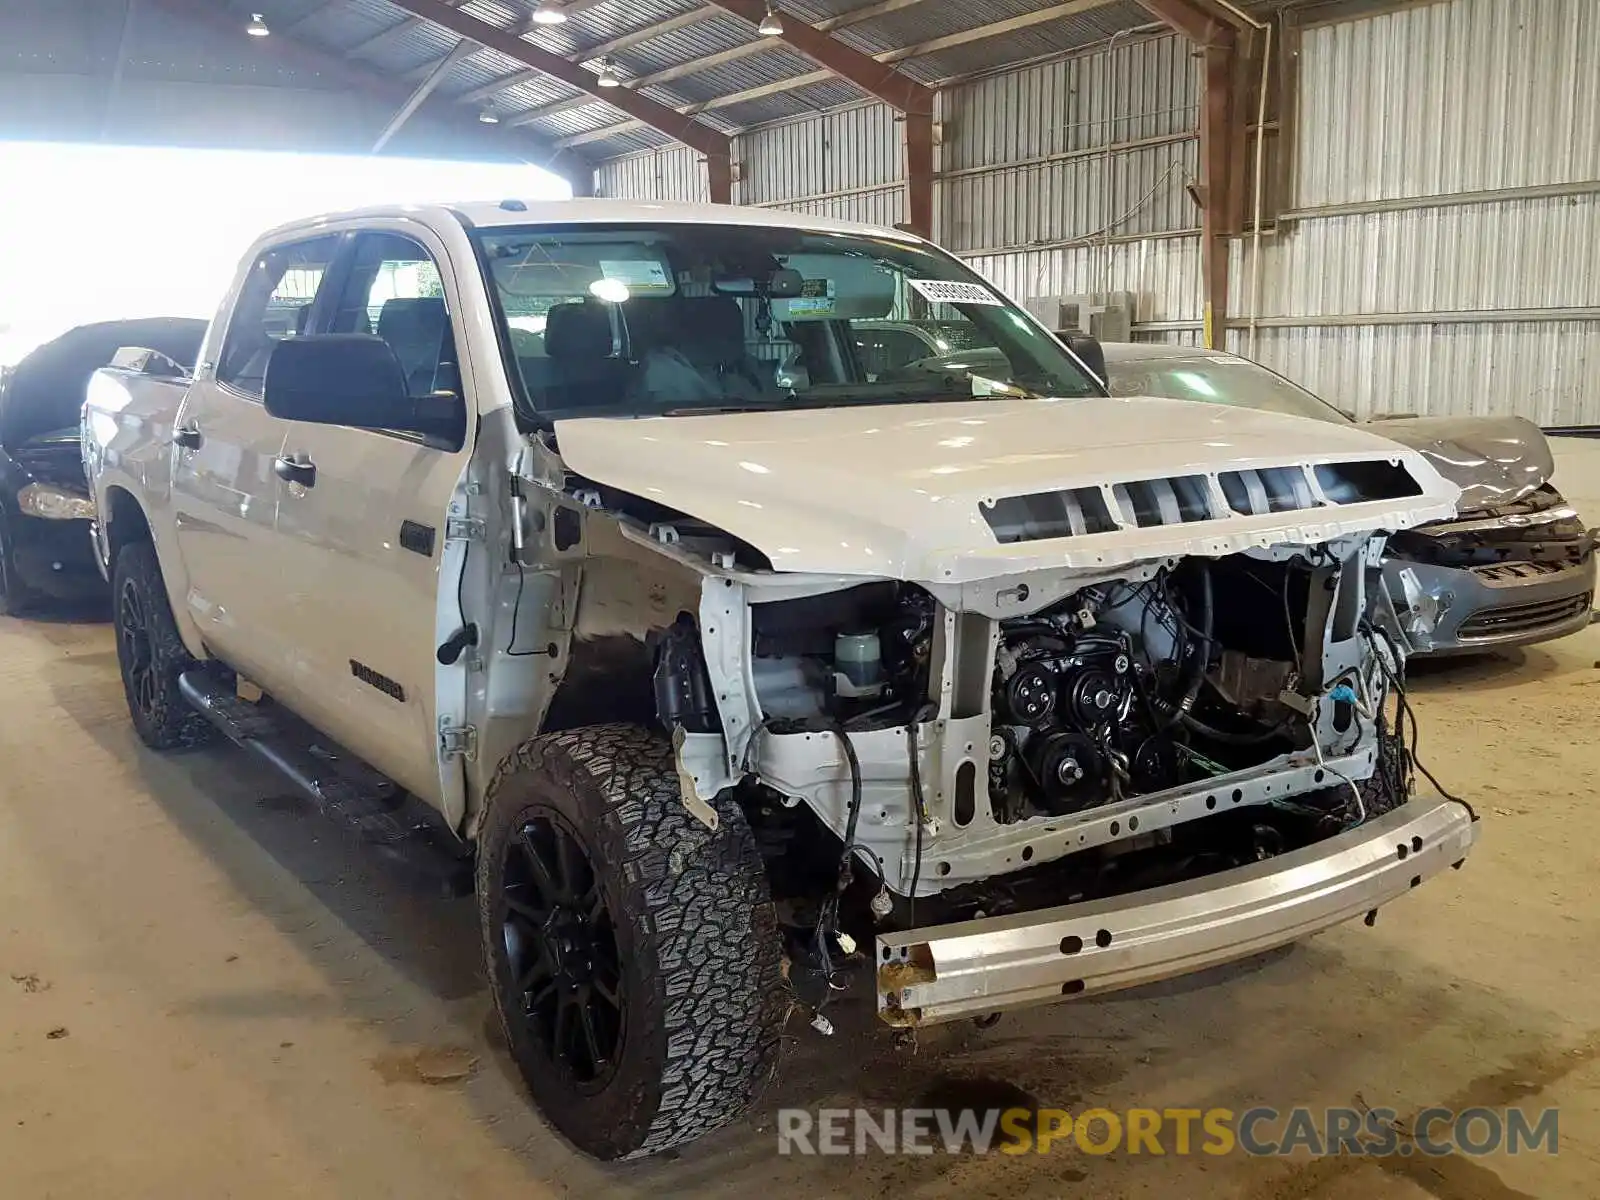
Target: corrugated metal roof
[
  {"x": 923, "y": 22},
  {"x": 385, "y": 37},
  {"x": 724, "y": 79},
  {"x": 684, "y": 45},
  {"x": 780, "y": 107},
  {"x": 606, "y": 21},
  {"x": 1026, "y": 45},
  {"x": 626, "y": 143}
]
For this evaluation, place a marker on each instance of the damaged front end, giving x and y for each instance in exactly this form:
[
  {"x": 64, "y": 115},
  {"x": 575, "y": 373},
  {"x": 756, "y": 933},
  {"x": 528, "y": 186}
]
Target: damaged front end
[{"x": 1170, "y": 734}]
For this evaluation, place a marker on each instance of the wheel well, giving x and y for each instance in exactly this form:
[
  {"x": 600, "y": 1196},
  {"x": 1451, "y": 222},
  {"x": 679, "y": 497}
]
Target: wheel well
[
  {"x": 607, "y": 680},
  {"x": 658, "y": 682},
  {"x": 125, "y": 521}
]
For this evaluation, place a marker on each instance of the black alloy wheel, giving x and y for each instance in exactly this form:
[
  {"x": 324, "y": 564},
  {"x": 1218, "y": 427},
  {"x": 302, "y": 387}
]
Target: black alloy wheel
[
  {"x": 138, "y": 651},
  {"x": 561, "y": 944},
  {"x": 632, "y": 950},
  {"x": 151, "y": 654}
]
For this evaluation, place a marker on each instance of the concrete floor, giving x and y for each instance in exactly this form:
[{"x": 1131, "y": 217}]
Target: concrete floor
[{"x": 207, "y": 991}]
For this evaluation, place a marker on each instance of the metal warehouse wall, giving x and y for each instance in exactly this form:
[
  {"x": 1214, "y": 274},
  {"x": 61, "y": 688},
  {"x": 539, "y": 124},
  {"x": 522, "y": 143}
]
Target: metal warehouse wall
[
  {"x": 1439, "y": 251},
  {"x": 1025, "y": 161},
  {"x": 1442, "y": 252}
]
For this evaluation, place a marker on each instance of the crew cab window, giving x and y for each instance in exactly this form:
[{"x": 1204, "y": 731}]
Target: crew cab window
[
  {"x": 394, "y": 290},
  {"x": 275, "y": 303}
]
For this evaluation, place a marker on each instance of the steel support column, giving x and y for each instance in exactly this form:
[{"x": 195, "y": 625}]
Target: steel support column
[
  {"x": 1224, "y": 46},
  {"x": 919, "y": 173},
  {"x": 719, "y": 173},
  {"x": 878, "y": 80}
]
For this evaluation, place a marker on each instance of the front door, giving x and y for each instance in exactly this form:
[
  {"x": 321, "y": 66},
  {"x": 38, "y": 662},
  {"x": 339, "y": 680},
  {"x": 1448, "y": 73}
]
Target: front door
[
  {"x": 225, "y": 491},
  {"x": 370, "y": 523}
]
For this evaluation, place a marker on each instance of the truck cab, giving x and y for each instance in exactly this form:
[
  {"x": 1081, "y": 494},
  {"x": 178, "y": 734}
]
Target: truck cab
[{"x": 745, "y": 671}]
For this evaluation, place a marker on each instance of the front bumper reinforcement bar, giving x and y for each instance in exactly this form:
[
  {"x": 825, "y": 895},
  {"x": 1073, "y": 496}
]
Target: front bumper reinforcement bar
[{"x": 970, "y": 968}]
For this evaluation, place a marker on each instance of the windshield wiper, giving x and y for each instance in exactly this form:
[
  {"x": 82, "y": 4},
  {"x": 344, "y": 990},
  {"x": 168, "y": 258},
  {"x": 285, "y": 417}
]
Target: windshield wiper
[{"x": 734, "y": 406}]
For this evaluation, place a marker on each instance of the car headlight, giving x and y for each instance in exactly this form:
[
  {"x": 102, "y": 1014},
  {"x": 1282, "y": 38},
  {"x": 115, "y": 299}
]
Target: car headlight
[{"x": 54, "y": 504}]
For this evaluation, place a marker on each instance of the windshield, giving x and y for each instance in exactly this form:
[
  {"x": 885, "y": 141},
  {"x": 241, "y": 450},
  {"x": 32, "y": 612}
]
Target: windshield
[
  {"x": 678, "y": 319},
  {"x": 1235, "y": 381}
]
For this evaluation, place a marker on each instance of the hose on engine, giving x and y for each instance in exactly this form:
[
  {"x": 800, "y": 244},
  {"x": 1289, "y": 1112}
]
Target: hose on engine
[{"x": 1195, "y": 665}]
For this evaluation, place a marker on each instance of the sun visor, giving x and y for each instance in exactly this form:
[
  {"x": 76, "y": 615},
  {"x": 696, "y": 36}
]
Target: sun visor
[
  {"x": 837, "y": 288},
  {"x": 611, "y": 270}
]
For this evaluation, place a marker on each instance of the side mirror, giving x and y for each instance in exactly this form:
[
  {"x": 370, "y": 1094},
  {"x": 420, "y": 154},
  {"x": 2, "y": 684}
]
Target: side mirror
[
  {"x": 355, "y": 380},
  {"x": 1088, "y": 350}
]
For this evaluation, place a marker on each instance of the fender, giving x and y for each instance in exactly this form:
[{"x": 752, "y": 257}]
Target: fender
[{"x": 128, "y": 419}]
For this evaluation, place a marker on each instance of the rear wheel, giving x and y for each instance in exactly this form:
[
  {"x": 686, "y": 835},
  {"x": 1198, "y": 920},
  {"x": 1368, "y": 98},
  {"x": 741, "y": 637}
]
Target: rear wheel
[
  {"x": 151, "y": 654},
  {"x": 633, "y": 953}
]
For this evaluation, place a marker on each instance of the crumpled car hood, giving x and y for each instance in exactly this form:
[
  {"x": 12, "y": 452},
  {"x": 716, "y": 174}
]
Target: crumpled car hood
[
  {"x": 901, "y": 490},
  {"x": 55, "y": 458},
  {"x": 1493, "y": 460}
]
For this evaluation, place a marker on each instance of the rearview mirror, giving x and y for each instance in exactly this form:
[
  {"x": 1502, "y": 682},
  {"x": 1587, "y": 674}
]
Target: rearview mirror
[
  {"x": 1088, "y": 350},
  {"x": 355, "y": 380},
  {"x": 783, "y": 284}
]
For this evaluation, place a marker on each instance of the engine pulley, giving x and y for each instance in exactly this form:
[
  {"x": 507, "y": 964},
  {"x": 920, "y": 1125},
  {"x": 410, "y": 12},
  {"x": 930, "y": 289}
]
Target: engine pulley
[
  {"x": 1031, "y": 693},
  {"x": 1070, "y": 770},
  {"x": 1095, "y": 695}
]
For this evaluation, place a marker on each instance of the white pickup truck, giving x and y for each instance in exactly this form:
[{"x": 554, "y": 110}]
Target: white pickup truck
[{"x": 747, "y": 673}]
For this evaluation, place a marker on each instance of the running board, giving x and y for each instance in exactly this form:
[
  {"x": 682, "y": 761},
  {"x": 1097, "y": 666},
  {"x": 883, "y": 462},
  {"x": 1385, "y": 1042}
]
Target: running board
[{"x": 349, "y": 793}]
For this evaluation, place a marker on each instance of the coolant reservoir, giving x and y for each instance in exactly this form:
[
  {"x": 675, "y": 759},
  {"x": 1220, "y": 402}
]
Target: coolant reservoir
[{"x": 857, "y": 665}]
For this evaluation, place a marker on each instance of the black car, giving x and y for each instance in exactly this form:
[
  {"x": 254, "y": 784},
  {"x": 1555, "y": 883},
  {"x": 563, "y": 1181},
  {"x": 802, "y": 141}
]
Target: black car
[{"x": 45, "y": 509}]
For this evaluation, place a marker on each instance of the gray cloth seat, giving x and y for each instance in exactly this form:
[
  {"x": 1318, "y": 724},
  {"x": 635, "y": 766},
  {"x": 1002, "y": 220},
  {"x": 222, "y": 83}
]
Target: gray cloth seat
[
  {"x": 580, "y": 369},
  {"x": 691, "y": 351},
  {"x": 418, "y": 331}
]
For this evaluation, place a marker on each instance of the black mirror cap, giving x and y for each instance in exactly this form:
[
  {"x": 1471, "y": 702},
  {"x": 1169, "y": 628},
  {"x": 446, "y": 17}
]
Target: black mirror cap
[
  {"x": 1088, "y": 350},
  {"x": 335, "y": 379},
  {"x": 355, "y": 380}
]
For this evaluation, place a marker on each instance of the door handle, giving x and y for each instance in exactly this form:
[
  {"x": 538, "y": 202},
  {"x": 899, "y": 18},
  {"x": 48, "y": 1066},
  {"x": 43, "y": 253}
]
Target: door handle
[
  {"x": 187, "y": 436},
  {"x": 292, "y": 471}
]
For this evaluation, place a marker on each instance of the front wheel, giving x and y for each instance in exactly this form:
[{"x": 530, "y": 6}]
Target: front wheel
[
  {"x": 633, "y": 954},
  {"x": 151, "y": 654},
  {"x": 16, "y": 597}
]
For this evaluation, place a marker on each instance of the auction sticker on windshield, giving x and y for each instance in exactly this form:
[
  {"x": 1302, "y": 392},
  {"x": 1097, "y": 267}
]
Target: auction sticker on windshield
[{"x": 950, "y": 291}]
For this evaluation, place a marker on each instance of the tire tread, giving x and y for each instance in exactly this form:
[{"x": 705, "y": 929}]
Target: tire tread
[{"x": 706, "y": 911}]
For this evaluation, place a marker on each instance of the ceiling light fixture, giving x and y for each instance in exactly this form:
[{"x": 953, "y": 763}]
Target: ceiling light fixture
[
  {"x": 257, "y": 26},
  {"x": 549, "y": 14},
  {"x": 608, "y": 74},
  {"x": 770, "y": 25},
  {"x": 489, "y": 117}
]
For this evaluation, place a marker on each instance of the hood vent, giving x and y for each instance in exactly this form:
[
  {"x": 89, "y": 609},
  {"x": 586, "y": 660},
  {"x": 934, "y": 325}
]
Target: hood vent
[{"x": 1186, "y": 499}]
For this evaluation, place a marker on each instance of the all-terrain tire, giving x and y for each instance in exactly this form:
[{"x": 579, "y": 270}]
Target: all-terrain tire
[
  {"x": 150, "y": 653},
  {"x": 16, "y": 597},
  {"x": 697, "y": 941}
]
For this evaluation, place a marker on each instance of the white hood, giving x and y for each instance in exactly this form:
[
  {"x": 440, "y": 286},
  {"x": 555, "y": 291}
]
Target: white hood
[{"x": 896, "y": 490}]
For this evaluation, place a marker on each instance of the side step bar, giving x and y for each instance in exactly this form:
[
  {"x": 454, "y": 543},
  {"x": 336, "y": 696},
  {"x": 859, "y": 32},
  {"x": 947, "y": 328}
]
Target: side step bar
[{"x": 349, "y": 793}]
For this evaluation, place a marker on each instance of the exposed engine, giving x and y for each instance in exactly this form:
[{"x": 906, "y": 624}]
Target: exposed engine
[
  {"x": 1086, "y": 703},
  {"x": 1119, "y": 690},
  {"x": 1062, "y": 710}
]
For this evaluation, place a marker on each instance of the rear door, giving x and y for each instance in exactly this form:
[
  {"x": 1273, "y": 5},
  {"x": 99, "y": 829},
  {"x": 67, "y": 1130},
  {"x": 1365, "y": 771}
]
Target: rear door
[
  {"x": 370, "y": 530},
  {"x": 225, "y": 491}
]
